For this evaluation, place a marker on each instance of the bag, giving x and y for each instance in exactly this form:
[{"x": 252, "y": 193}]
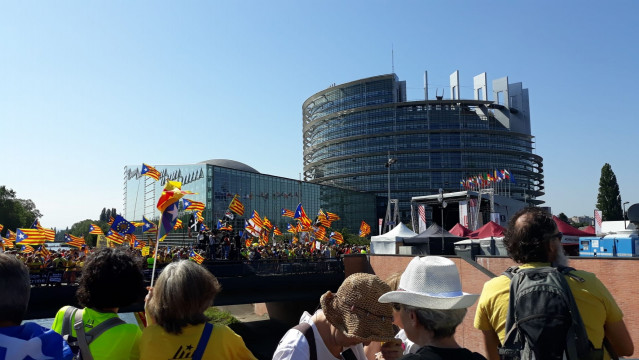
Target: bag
[
  {"x": 543, "y": 319},
  {"x": 80, "y": 345}
]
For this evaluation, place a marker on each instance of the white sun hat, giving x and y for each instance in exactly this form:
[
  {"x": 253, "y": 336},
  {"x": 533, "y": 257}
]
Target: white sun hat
[{"x": 430, "y": 282}]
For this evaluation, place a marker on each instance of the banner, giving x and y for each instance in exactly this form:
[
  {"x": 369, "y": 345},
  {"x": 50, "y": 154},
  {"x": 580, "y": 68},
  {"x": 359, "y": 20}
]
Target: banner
[
  {"x": 494, "y": 217},
  {"x": 463, "y": 213},
  {"x": 421, "y": 209},
  {"x": 598, "y": 221}
]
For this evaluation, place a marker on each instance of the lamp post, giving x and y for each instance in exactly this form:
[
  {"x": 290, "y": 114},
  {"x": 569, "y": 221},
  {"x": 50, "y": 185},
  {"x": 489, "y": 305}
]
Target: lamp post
[
  {"x": 624, "y": 214},
  {"x": 443, "y": 204},
  {"x": 388, "y": 164}
]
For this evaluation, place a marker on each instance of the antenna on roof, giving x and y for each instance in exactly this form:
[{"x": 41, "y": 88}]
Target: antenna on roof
[{"x": 392, "y": 58}]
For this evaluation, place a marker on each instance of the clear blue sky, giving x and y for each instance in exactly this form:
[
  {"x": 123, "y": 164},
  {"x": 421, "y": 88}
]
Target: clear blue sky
[{"x": 89, "y": 87}]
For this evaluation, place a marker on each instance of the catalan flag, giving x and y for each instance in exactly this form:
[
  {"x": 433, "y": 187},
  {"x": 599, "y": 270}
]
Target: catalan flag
[
  {"x": 193, "y": 205},
  {"x": 256, "y": 221},
  {"x": 320, "y": 233},
  {"x": 11, "y": 236},
  {"x": 288, "y": 213},
  {"x": 331, "y": 216},
  {"x": 1, "y": 227},
  {"x": 29, "y": 236},
  {"x": 150, "y": 171},
  {"x": 114, "y": 237},
  {"x": 291, "y": 228},
  {"x": 300, "y": 215},
  {"x": 130, "y": 238},
  {"x": 322, "y": 219},
  {"x": 337, "y": 237},
  {"x": 6, "y": 243},
  {"x": 196, "y": 257},
  {"x": 364, "y": 229},
  {"x": 247, "y": 243},
  {"x": 44, "y": 251},
  {"x": 236, "y": 206},
  {"x": 295, "y": 240},
  {"x": 95, "y": 229},
  {"x": 277, "y": 231},
  {"x": 178, "y": 224},
  {"x": 27, "y": 249},
  {"x": 250, "y": 229},
  {"x": 76, "y": 240},
  {"x": 49, "y": 234},
  {"x": 148, "y": 226},
  {"x": 267, "y": 223},
  {"x": 199, "y": 216}
]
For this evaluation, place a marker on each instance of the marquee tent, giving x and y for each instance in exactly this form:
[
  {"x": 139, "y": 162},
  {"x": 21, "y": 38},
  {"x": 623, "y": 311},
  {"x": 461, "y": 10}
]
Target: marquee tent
[
  {"x": 460, "y": 230},
  {"x": 389, "y": 242},
  {"x": 429, "y": 241},
  {"x": 571, "y": 234},
  {"x": 491, "y": 229}
]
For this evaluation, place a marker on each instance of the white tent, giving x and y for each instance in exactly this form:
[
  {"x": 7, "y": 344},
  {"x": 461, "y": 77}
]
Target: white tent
[{"x": 389, "y": 242}]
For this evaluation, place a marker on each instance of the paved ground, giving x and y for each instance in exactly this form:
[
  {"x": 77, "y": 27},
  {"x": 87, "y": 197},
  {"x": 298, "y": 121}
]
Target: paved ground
[{"x": 260, "y": 334}]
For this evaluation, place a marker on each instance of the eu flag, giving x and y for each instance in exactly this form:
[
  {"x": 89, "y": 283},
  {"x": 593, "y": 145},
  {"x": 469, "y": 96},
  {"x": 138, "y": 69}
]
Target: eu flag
[{"x": 121, "y": 226}]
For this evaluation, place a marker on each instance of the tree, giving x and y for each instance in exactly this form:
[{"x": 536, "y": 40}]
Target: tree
[
  {"x": 563, "y": 217},
  {"x": 103, "y": 216},
  {"x": 16, "y": 213},
  {"x": 609, "y": 199}
]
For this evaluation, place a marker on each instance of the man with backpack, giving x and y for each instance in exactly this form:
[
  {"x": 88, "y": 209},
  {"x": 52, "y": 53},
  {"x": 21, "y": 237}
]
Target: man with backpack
[{"x": 547, "y": 310}]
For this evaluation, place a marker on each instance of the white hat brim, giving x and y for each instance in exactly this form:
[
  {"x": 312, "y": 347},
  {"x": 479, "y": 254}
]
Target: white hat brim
[{"x": 425, "y": 301}]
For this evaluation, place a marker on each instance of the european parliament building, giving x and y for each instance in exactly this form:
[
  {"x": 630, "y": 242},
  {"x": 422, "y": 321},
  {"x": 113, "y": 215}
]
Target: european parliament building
[
  {"x": 217, "y": 181},
  {"x": 364, "y": 135}
]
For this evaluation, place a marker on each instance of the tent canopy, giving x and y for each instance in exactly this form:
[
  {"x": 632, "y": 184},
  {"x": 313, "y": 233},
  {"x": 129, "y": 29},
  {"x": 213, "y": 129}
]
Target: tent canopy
[
  {"x": 589, "y": 229},
  {"x": 460, "y": 230},
  {"x": 399, "y": 231},
  {"x": 433, "y": 231},
  {"x": 491, "y": 229},
  {"x": 568, "y": 230}
]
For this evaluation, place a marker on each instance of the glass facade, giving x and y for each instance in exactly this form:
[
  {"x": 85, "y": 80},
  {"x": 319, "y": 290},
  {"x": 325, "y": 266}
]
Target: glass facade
[
  {"x": 266, "y": 194},
  {"x": 350, "y": 130}
]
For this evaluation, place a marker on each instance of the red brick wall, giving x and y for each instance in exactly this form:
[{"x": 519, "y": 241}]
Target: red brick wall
[{"x": 614, "y": 273}]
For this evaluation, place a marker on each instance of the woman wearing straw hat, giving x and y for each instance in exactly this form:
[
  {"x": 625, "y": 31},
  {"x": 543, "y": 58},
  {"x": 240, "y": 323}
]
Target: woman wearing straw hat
[
  {"x": 347, "y": 320},
  {"x": 431, "y": 305}
]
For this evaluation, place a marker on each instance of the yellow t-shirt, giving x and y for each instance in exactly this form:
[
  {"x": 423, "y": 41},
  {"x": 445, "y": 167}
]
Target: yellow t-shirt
[
  {"x": 596, "y": 305},
  {"x": 119, "y": 342},
  {"x": 223, "y": 344}
]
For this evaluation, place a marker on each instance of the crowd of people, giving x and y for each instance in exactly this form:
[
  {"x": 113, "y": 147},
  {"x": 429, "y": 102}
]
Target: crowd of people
[{"x": 412, "y": 315}]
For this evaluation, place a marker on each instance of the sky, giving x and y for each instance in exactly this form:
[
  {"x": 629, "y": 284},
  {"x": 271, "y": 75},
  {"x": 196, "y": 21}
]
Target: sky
[{"x": 87, "y": 88}]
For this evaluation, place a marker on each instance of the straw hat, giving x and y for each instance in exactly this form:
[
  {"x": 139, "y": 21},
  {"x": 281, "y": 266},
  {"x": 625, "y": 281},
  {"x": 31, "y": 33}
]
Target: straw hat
[
  {"x": 355, "y": 311},
  {"x": 430, "y": 282}
]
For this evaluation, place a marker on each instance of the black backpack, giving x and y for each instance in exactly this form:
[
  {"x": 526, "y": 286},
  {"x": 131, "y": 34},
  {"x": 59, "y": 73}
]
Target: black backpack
[{"x": 543, "y": 319}]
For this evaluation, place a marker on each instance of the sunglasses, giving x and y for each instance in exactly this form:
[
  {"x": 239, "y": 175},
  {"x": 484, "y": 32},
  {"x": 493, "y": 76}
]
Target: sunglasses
[{"x": 396, "y": 306}]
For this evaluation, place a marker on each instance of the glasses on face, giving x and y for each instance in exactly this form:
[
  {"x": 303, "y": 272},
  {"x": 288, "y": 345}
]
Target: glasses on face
[{"x": 396, "y": 306}]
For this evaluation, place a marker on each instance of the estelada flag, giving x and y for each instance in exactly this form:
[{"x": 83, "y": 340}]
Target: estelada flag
[
  {"x": 236, "y": 206},
  {"x": 150, "y": 171},
  {"x": 193, "y": 205},
  {"x": 196, "y": 257},
  {"x": 30, "y": 236},
  {"x": 95, "y": 229}
]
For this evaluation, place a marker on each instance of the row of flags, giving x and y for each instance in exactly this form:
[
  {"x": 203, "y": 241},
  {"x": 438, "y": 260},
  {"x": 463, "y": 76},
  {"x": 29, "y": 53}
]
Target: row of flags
[{"x": 486, "y": 179}]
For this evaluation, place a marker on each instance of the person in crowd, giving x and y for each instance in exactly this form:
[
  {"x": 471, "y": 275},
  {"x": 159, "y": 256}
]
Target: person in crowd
[
  {"x": 176, "y": 321},
  {"x": 28, "y": 341},
  {"x": 347, "y": 320},
  {"x": 111, "y": 279},
  {"x": 532, "y": 240},
  {"x": 431, "y": 305}
]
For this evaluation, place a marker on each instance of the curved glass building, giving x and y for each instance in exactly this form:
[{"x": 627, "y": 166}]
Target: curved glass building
[{"x": 352, "y": 130}]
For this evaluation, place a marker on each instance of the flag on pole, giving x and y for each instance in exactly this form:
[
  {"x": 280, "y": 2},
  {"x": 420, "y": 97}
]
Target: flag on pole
[
  {"x": 150, "y": 171},
  {"x": 300, "y": 215},
  {"x": 114, "y": 237},
  {"x": 288, "y": 213},
  {"x": 193, "y": 205},
  {"x": 277, "y": 231},
  {"x": 236, "y": 206},
  {"x": 95, "y": 229},
  {"x": 331, "y": 216},
  {"x": 196, "y": 257},
  {"x": 148, "y": 226},
  {"x": 168, "y": 206},
  {"x": 29, "y": 236},
  {"x": 75, "y": 241},
  {"x": 178, "y": 224},
  {"x": 364, "y": 229},
  {"x": 49, "y": 234},
  {"x": 121, "y": 226},
  {"x": 27, "y": 249},
  {"x": 338, "y": 237}
]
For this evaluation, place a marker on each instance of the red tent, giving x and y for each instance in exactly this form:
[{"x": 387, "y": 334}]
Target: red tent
[
  {"x": 460, "y": 230},
  {"x": 491, "y": 229},
  {"x": 566, "y": 229},
  {"x": 589, "y": 229}
]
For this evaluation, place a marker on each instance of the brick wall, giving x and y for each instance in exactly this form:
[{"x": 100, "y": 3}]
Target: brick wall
[{"x": 616, "y": 274}]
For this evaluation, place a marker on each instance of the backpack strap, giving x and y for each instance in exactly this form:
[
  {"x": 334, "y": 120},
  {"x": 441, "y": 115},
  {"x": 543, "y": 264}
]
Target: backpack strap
[
  {"x": 307, "y": 331},
  {"x": 204, "y": 339},
  {"x": 102, "y": 327},
  {"x": 82, "y": 340},
  {"x": 510, "y": 271},
  {"x": 67, "y": 321}
]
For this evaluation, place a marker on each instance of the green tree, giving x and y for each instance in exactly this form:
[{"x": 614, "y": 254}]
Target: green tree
[
  {"x": 81, "y": 228},
  {"x": 16, "y": 213},
  {"x": 103, "y": 216},
  {"x": 563, "y": 217},
  {"x": 609, "y": 199}
]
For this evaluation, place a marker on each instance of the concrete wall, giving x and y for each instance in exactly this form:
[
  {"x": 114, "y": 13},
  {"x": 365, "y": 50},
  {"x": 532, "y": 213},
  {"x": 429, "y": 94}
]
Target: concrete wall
[{"x": 616, "y": 274}]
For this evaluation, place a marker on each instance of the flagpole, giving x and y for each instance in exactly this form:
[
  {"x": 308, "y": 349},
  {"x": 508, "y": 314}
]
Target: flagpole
[{"x": 155, "y": 256}]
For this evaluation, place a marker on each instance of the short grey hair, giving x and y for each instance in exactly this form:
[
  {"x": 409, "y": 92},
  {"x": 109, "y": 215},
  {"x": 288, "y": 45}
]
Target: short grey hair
[
  {"x": 15, "y": 287},
  {"x": 441, "y": 322},
  {"x": 183, "y": 291}
]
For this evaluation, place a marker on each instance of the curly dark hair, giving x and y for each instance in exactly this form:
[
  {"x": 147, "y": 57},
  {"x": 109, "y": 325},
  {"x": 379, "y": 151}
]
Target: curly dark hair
[
  {"x": 110, "y": 278},
  {"x": 528, "y": 236}
]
